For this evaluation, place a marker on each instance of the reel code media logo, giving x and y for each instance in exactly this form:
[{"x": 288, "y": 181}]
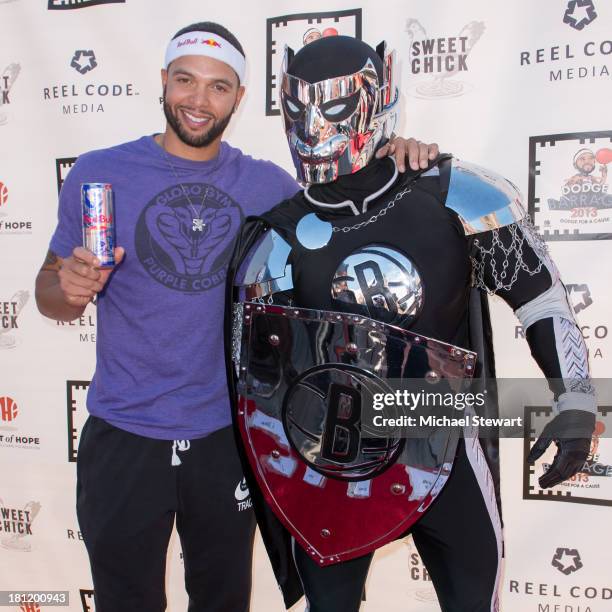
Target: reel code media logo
[
  {"x": 77, "y": 95},
  {"x": 83, "y": 61},
  {"x": 567, "y": 560},
  {"x": 572, "y": 57},
  {"x": 296, "y": 31},
  {"x": 569, "y": 186},
  {"x": 592, "y": 485},
  {"x": 566, "y": 595},
  {"x": 579, "y": 14}
]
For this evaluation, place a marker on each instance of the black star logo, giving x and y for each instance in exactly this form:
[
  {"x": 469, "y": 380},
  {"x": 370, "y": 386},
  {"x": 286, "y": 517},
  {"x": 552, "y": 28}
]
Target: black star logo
[
  {"x": 579, "y": 13},
  {"x": 567, "y": 560},
  {"x": 83, "y": 61}
]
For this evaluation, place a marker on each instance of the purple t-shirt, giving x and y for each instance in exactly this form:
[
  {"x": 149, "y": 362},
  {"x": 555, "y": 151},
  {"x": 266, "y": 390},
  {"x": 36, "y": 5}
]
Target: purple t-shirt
[{"x": 160, "y": 368}]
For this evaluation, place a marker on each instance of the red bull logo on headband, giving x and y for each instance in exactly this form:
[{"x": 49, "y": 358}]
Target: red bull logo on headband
[
  {"x": 187, "y": 41},
  {"x": 206, "y": 44}
]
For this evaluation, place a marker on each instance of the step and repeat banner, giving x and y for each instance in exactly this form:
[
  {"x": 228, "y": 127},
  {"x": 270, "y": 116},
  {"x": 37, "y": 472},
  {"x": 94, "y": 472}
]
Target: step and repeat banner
[{"x": 520, "y": 87}]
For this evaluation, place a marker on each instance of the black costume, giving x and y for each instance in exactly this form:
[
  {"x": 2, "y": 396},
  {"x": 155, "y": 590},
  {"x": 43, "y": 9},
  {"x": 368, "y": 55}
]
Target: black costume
[{"x": 415, "y": 229}]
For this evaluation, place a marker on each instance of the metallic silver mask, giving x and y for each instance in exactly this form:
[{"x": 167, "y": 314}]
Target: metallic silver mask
[{"x": 335, "y": 126}]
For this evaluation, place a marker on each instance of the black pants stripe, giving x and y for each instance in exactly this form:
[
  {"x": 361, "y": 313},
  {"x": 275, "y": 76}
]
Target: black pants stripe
[
  {"x": 458, "y": 539},
  {"x": 128, "y": 496}
]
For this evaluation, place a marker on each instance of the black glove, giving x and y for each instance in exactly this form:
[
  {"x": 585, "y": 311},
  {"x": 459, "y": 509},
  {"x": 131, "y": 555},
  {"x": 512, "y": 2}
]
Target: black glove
[{"x": 571, "y": 430}]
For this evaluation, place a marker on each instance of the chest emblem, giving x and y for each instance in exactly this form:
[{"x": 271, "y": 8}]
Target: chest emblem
[{"x": 383, "y": 281}]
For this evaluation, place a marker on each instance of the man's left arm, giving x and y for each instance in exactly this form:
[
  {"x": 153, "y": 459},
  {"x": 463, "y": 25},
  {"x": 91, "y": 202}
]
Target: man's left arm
[{"x": 514, "y": 263}]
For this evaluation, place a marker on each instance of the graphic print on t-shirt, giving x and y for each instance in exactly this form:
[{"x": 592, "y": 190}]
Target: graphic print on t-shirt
[{"x": 184, "y": 236}]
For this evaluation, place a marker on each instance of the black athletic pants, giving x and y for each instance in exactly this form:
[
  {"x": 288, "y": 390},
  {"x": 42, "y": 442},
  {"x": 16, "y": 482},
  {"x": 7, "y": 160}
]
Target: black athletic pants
[
  {"x": 458, "y": 539},
  {"x": 128, "y": 495}
]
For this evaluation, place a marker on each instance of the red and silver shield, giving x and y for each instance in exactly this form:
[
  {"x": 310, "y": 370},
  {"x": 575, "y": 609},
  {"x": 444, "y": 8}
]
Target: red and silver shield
[{"x": 340, "y": 491}]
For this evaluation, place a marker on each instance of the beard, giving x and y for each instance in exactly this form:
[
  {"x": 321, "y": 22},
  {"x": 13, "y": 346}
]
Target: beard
[{"x": 217, "y": 128}]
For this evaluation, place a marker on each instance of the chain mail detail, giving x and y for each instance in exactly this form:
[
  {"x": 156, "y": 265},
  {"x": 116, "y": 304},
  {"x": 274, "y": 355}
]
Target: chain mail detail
[
  {"x": 538, "y": 245},
  {"x": 237, "y": 313},
  {"x": 496, "y": 258}
]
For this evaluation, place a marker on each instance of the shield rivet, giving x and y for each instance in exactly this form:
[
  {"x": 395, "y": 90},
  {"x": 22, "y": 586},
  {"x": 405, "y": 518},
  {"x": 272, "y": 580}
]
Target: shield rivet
[
  {"x": 274, "y": 339},
  {"x": 276, "y": 453},
  {"x": 398, "y": 489},
  {"x": 432, "y": 377},
  {"x": 351, "y": 347},
  {"x": 417, "y": 339},
  {"x": 325, "y": 533}
]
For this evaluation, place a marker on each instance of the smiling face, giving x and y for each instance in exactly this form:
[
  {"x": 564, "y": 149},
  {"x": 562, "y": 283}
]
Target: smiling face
[
  {"x": 200, "y": 95},
  {"x": 586, "y": 162}
]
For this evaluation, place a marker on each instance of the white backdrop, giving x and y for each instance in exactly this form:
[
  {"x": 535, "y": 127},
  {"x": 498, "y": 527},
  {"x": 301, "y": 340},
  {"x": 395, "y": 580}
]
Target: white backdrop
[{"x": 515, "y": 86}]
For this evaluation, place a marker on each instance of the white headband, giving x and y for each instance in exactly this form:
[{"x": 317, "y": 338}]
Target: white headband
[
  {"x": 208, "y": 44},
  {"x": 581, "y": 152}
]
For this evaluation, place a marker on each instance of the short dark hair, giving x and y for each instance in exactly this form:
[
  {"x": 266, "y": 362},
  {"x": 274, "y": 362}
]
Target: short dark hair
[{"x": 213, "y": 28}]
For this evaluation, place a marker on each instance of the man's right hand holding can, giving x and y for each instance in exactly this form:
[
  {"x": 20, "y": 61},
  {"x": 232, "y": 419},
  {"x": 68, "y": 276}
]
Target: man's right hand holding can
[{"x": 64, "y": 287}]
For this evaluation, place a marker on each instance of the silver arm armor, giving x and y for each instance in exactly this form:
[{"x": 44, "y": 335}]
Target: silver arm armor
[
  {"x": 266, "y": 270},
  {"x": 483, "y": 199},
  {"x": 486, "y": 202}
]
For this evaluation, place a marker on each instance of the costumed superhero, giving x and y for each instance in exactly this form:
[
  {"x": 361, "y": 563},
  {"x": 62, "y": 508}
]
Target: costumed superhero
[{"x": 368, "y": 275}]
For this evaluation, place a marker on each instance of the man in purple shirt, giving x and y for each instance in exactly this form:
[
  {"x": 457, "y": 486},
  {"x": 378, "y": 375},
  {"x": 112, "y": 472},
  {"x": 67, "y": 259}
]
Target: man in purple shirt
[{"x": 158, "y": 443}]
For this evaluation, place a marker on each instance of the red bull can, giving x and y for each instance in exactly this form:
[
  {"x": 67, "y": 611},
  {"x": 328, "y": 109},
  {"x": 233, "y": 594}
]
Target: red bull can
[{"x": 99, "y": 221}]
